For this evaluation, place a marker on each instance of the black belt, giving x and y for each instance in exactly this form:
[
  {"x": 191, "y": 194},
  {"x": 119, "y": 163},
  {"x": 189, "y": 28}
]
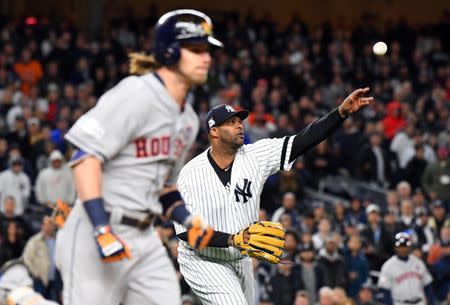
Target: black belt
[
  {"x": 141, "y": 224},
  {"x": 410, "y": 301}
]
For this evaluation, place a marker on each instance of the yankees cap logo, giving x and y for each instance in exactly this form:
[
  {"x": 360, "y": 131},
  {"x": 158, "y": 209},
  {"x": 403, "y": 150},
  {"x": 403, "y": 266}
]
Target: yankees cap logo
[
  {"x": 221, "y": 113},
  {"x": 229, "y": 108}
]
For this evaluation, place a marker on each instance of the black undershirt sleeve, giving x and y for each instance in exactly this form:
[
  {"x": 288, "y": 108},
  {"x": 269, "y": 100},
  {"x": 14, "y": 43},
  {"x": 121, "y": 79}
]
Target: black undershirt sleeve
[
  {"x": 218, "y": 240},
  {"x": 315, "y": 133}
]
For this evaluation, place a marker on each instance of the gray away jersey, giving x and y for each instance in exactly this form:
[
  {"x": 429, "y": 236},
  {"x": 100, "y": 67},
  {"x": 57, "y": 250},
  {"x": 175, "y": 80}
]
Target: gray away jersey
[
  {"x": 232, "y": 208},
  {"x": 142, "y": 138},
  {"x": 405, "y": 280}
]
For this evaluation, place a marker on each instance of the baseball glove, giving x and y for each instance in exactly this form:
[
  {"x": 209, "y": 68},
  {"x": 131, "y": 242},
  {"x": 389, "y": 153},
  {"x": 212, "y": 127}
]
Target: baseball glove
[{"x": 263, "y": 240}]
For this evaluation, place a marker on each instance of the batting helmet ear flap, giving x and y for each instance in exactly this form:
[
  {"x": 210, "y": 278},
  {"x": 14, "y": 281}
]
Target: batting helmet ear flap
[{"x": 171, "y": 55}]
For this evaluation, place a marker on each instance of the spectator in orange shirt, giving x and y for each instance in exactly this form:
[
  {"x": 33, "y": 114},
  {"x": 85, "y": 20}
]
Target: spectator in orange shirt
[{"x": 29, "y": 71}]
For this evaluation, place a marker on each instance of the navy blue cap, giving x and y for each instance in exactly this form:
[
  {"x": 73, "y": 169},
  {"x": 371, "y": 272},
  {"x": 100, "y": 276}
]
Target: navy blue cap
[
  {"x": 219, "y": 114},
  {"x": 438, "y": 204}
]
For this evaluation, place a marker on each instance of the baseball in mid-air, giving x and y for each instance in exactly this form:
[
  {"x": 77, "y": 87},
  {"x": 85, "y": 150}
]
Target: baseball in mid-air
[{"x": 380, "y": 48}]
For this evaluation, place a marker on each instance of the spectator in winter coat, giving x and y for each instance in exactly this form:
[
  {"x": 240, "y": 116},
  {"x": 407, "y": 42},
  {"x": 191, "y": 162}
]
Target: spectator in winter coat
[{"x": 55, "y": 182}]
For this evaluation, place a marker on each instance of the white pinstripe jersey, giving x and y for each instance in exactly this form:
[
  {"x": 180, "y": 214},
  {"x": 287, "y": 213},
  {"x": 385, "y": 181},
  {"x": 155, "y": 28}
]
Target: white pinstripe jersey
[
  {"x": 230, "y": 209},
  {"x": 405, "y": 279},
  {"x": 139, "y": 133}
]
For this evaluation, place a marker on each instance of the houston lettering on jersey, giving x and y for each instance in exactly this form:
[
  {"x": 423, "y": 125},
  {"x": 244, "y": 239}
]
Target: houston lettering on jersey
[
  {"x": 157, "y": 146},
  {"x": 407, "y": 275}
]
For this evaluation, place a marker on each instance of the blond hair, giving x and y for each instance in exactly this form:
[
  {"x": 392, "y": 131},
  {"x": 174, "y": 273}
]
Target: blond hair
[{"x": 141, "y": 63}]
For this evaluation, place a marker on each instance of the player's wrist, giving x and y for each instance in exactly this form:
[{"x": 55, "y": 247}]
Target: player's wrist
[
  {"x": 342, "y": 113},
  {"x": 231, "y": 240},
  {"x": 96, "y": 212}
]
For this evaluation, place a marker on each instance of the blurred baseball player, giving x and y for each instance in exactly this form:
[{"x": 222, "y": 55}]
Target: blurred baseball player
[
  {"x": 130, "y": 148},
  {"x": 404, "y": 278},
  {"x": 224, "y": 183}
]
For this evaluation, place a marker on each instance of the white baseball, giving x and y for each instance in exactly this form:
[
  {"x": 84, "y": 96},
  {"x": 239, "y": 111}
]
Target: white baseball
[{"x": 380, "y": 48}]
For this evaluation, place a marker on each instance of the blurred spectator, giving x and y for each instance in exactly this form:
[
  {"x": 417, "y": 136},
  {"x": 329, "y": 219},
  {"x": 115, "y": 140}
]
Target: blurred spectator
[
  {"x": 365, "y": 295},
  {"x": 332, "y": 263},
  {"x": 39, "y": 257},
  {"x": 436, "y": 179},
  {"x": 307, "y": 223},
  {"x": 409, "y": 152},
  {"x": 289, "y": 202},
  {"x": 347, "y": 140},
  {"x": 373, "y": 163},
  {"x": 310, "y": 275},
  {"x": 29, "y": 71},
  {"x": 356, "y": 266},
  {"x": 415, "y": 168},
  {"x": 286, "y": 221},
  {"x": 356, "y": 210},
  {"x": 340, "y": 297},
  {"x": 439, "y": 260},
  {"x": 350, "y": 227},
  {"x": 326, "y": 296},
  {"x": 55, "y": 182},
  {"x": 291, "y": 243},
  {"x": 439, "y": 219},
  {"x": 18, "y": 135},
  {"x": 339, "y": 215},
  {"x": 394, "y": 120},
  {"x": 402, "y": 140},
  {"x": 12, "y": 245},
  {"x": 9, "y": 215},
  {"x": 406, "y": 217},
  {"x": 284, "y": 127},
  {"x": 3, "y": 154},
  {"x": 377, "y": 240},
  {"x": 284, "y": 283},
  {"x": 422, "y": 233},
  {"x": 320, "y": 162},
  {"x": 302, "y": 298},
  {"x": 14, "y": 182},
  {"x": 262, "y": 277},
  {"x": 392, "y": 202},
  {"x": 404, "y": 191},
  {"x": 322, "y": 234},
  {"x": 35, "y": 140}
]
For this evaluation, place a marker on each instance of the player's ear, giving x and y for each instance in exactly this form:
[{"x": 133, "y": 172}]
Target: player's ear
[{"x": 214, "y": 132}]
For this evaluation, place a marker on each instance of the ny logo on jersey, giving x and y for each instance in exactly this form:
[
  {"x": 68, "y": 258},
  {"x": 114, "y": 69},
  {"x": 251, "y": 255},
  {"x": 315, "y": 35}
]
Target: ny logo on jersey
[{"x": 244, "y": 191}]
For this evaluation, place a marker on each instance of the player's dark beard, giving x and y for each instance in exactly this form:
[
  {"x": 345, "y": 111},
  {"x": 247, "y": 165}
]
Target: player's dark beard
[{"x": 235, "y": 145}]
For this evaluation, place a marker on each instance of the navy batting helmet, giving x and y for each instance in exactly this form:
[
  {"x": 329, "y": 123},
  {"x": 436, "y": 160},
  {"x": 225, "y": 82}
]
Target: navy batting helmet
[
  {"x": 176, "y": 27},
  {"x": 402, "y": 239}
]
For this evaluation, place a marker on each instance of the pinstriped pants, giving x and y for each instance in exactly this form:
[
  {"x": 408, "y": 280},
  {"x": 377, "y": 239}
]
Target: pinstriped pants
[{"x": 219, "y": 282}]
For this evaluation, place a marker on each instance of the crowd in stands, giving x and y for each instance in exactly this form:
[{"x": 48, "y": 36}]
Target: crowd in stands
[{"x": 287, "y": 77}]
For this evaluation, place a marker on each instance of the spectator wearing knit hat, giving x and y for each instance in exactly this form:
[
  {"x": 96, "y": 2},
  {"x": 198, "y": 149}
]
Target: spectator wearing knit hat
[{"x": 55, "y": 182}]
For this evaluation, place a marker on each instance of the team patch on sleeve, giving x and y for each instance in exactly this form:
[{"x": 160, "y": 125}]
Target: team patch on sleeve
[{"x": 91, "y": 127}]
